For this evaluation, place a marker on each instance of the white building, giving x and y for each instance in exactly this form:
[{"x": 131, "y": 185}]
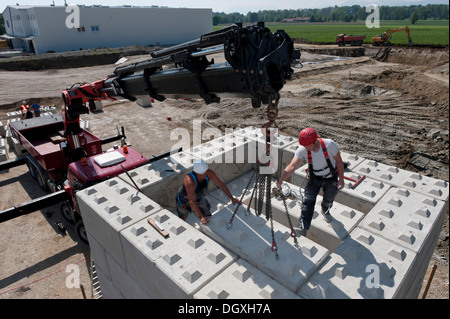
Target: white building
[{"x": 40, "y": 29}]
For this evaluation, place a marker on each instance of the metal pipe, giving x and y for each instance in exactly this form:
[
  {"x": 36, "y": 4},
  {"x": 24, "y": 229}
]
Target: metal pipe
[{"x": 208, "y": 51}]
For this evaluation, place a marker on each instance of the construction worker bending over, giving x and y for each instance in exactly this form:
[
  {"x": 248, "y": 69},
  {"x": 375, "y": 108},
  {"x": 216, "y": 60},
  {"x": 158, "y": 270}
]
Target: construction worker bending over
[
  {"x": 325, "y": 170},
  {"x": 190, "y": 194}
]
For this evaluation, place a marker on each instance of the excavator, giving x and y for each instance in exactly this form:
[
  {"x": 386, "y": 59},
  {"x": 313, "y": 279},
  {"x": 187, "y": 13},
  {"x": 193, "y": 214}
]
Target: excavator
[
  {"x": 385, "y": 38},
  {"x": 258, "y": 63}
]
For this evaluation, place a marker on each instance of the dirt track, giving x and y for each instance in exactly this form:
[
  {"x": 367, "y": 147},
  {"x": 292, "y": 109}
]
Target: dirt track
[{"x": 395, "y": 111}]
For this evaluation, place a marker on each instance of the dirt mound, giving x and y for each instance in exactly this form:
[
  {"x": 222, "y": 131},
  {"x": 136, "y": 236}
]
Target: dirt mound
[{"x": 409, "y": 55}]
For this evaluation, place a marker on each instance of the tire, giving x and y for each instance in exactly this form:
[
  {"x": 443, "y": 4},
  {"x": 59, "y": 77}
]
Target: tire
[
  {"x": 66, "y": 211},
  {"x": 42, "y": 181},
  {"x": 81, "y": 231},
  {"x": 32, "y": 169}
]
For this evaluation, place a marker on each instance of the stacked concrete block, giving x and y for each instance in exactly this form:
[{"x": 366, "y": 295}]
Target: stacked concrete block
[
  {"x": 257, "y": 147},
  {"x": 226, "y": 155},
  {"x": 176, "y": 266},
  {"x": 392, "y": 175},
  {"x": 236, "y": 187},
  {"x": 378, "y": 245},
  {"x": 109, "y": 207},
  {"x": 158, "y": 180},
  {"x": 14, "y": 114},
  {"x": 183, "y": 158},
  {"x": 411, "y": 220},
  {"x": 363, "y": 197},
  {"x": 215, "y": 203},
  {"x": 3, "y": 155},
  {"x": 2, "y": 129},
  {"x": 109, "y": 291},
  {"x": 13, "y": 142},
  {"x": 250, "y": 237},
  {"x": 326, "y": 234},
  {"x": 244, "y": 281},
  {"x": 3, "y": 150},
  {"x": 329, "y": 235},
  {"x": 364, "y": 266},
  {"x": 123, "y": 283}
]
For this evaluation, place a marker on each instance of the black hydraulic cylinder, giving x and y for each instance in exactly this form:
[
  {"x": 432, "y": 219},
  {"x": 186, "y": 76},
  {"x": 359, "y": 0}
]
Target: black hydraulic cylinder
[{"x": 34, "y": 205}]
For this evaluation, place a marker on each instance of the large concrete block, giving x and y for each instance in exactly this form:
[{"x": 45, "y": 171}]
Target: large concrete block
[
  {"x": 158, "y": 180},
  {"x": 2, "y": 129},
  {"x": 392, "y": 175},
  {"x": 237, "y": 187},
  {"x": 124, "y": 283},
  {"x": 225, "y": 155},
  {"x": 329, "y": 235},
  {"x": 176, "y": 266},
  {"x": 3, "y": 155},
  {"x": 363, "y": 266},
  {"x": 244, "y": 281},
  {"x": 407, "y": 218},
  {"x": 250, "y": 237},
  {"x": 108, "y": 290},
  {"x": 362, "y": 197},
  {"x": 109, "y": 207},
  {"x": 98, "y": 254},
  {"x": 257, "y": 147}
]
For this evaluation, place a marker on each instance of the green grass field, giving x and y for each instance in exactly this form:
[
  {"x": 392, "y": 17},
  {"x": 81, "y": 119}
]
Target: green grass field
[{"x": 423, "y": 32}]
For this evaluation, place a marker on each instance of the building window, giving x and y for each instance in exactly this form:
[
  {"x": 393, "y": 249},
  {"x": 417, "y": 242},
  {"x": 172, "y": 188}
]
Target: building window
[{"x": 95, "y": 28}]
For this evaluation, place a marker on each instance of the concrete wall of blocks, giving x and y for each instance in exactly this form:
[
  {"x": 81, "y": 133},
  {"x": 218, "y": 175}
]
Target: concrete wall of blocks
[{"x": 378, "y": 245}]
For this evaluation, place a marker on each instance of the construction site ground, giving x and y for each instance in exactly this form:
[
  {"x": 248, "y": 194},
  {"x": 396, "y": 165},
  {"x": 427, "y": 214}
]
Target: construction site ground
[{"x": 390, "y": 105}]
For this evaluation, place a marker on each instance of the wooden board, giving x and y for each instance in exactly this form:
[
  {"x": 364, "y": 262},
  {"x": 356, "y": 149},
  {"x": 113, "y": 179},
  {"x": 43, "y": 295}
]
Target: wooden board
[{"x": 158, "y": 227}]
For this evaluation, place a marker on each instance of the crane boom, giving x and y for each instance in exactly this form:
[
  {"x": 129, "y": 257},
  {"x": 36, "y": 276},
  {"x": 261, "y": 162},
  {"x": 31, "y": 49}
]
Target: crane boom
[{"x": 258, "y": 63}]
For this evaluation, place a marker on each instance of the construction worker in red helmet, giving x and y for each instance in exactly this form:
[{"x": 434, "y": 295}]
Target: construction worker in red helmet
[
  {"x": 325, "y": 171},
  {"x": 26, "y": 112}
]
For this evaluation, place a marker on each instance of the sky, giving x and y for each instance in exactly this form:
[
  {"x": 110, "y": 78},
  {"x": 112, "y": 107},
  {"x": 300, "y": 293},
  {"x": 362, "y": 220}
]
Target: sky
[{"x": 227, "y": 6}]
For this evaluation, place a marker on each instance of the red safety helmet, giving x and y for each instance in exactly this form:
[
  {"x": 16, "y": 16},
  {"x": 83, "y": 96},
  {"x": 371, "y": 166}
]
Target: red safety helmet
[{"x": 307, "y": 136}]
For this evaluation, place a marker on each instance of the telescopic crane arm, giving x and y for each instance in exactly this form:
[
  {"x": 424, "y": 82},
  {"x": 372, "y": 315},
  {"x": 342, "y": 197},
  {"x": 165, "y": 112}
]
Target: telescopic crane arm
[{"x": 258, "y": 63}]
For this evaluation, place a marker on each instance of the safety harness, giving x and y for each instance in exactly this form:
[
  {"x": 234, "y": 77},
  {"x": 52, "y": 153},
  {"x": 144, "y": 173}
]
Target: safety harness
[
  {"x": 183, "y": 199},
  {"x": 333, "y": 170}
]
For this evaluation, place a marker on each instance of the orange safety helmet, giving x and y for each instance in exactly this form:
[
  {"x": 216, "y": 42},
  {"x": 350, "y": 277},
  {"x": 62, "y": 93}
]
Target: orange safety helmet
[{"x": 307, "y": 136}]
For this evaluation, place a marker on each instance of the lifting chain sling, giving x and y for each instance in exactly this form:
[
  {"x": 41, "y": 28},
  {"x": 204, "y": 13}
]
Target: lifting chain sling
[
  {"x": 262, "y": 186},
  {"x": 266, "y": 179},
  {"x": 278, "y": 193}
]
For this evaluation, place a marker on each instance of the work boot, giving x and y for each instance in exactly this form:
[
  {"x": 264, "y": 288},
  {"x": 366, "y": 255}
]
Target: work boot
[
  {"x": 327, "y": 216},
  {"x": 300, "y": 230}
]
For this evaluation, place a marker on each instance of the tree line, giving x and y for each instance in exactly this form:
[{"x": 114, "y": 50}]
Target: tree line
[
  {"x": 337, "y": 14},
  {"x": 329, "y": 14}
]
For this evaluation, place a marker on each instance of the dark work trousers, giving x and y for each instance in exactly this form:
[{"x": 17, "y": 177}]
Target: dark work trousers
[
  {"x": 202, "y": 203},
  {"x": 329, "y": 187}
]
